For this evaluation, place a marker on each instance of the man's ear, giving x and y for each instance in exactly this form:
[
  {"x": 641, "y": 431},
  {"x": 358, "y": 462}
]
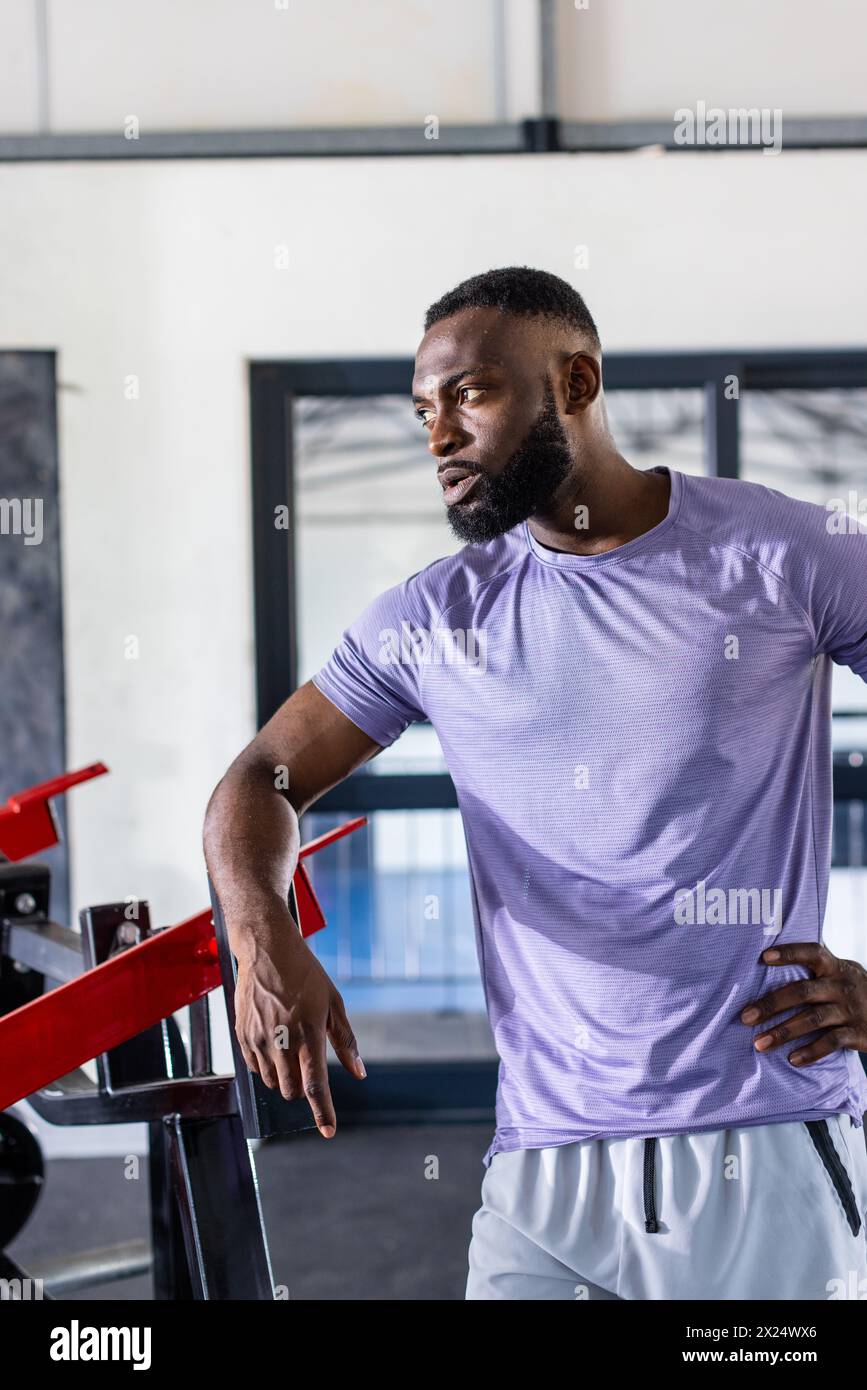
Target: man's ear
[{"x": 583, "y": 382}]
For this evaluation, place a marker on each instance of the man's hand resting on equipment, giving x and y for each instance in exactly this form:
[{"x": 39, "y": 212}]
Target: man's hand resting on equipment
[{"x": 285, "y": 1008}]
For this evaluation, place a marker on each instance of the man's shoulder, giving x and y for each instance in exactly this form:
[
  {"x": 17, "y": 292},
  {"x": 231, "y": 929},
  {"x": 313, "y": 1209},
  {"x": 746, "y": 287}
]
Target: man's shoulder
[
  {"x": 452, "y": 579},
  {"x": 780, "y": 532}
]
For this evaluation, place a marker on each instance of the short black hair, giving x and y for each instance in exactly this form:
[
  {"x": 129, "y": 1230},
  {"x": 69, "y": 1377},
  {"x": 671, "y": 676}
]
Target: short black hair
[{"x": 522, "y": 291}]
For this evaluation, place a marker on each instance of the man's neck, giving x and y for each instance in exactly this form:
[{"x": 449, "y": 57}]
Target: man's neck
[{"x": 605, "y": 508}]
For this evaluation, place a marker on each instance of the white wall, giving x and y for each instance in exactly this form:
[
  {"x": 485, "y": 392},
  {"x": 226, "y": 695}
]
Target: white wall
[
  {"x": 165, "y": 270},
  {"x": 631, "y": 60},
  {"x": 221, "y": 64}
]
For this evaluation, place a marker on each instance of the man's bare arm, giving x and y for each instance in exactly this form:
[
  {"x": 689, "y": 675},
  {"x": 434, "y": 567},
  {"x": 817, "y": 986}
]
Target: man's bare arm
[{"x": 285, "y": 1004}]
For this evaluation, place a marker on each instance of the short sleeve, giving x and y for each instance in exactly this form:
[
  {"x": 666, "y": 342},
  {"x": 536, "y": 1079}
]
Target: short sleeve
[
  {"x": 838, "y": 592},
  {"x": 371, "y": 676}
]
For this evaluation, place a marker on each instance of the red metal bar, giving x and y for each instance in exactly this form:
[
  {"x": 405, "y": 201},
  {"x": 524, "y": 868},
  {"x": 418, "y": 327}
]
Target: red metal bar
[
  {"x": 314, "y": 846},
  {"x": 55, "y": 785},
  {"x": 27, "y": 823},
  {"x": 311, "y": 918},
  {"x": 105, "y": 1006}
]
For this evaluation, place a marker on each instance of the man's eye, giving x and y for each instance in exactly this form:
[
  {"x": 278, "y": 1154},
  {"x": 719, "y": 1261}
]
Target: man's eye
[
  {"x": 479, "y": 390},
  {"x": 422, "y": 415}
]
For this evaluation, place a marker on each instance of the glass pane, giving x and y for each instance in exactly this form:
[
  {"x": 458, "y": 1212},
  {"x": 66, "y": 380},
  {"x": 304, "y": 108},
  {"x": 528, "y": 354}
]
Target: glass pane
[
  {"x": 652, "y": 428},
  {"x": 369, "y": 514},
  {"x": 400, "y": 936},
  {"x": 811, "y": 445}
]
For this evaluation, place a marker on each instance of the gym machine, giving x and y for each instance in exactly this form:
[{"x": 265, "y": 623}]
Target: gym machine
[
  {"x": 112, "y": 991},
  {"x": 109, "y": 992}
]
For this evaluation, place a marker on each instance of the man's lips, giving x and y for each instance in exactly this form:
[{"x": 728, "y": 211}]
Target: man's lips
[{"x": 456, "y": 484}]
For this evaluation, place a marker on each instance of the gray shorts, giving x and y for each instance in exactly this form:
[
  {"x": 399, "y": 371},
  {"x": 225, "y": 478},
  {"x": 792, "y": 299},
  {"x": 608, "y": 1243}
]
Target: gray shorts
[{"x": 773, "y": 1212}]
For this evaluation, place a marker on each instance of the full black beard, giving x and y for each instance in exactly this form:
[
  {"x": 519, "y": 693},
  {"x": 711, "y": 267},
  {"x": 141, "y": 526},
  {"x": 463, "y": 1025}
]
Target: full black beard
[{"x": 526, "y": 485}]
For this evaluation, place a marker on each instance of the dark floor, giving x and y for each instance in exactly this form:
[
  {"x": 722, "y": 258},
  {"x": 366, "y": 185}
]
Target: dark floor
[{"x": 354, "y": 1217}]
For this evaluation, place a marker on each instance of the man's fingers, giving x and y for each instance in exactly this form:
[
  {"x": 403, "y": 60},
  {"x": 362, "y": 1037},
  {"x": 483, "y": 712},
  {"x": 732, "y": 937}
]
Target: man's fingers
[
  {"x": 808, "y": 1021},
  {"x": 314, "y": 1072},
  {"x": 289, "y": 1071},
  {"x": 278, "y": 1068},
  {"x": 776, "y": 1001},
  {"x": 810, "y": 953},
  {"x": 295, "y": 1074},
  {"x": 288, "y": 1074},
  {"x": 249, "y": 1057},
  {"x": 267, "y": 1070},
  {"x": 343, "y": 1039},
  {"x": 829, "y": 1042}
]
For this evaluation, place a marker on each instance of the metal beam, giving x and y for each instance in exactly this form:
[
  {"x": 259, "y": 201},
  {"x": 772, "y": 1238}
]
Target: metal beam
[
  {"x": 368, "y": 791},
  {"x": 64, "y": 1274},
  {"x": 497, "y": 138},
  {"x": 764, "y": 370},
  {"x": 543, "y": 135},
  {"x": 548, "y": 58},
  {"x": 46, "y": 947},
  {"x": 798, "y": 133},
  {"x": 722, "y": 432}
]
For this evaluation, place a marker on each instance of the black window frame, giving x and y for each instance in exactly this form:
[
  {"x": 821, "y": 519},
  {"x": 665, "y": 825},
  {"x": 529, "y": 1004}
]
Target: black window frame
[{"x": 274, "y": 385}]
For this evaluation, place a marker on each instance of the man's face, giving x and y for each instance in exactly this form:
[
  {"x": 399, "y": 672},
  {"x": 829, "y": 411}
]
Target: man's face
[{"x": 482, "y": 392}]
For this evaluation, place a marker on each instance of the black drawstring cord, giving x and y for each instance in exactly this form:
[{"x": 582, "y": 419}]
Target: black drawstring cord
[{"x": 650, "y": 1222}]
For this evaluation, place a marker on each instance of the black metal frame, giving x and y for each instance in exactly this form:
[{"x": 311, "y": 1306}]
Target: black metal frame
[
  {"x": 273, "y": 387},
  {"x": 534, "y": 135}
]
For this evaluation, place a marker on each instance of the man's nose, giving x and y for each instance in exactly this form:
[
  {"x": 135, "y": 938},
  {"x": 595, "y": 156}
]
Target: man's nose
[{"x": 446, "y": 436}]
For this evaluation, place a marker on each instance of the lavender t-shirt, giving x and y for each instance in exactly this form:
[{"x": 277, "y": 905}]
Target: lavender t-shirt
[{"x": 640, "y": 742}]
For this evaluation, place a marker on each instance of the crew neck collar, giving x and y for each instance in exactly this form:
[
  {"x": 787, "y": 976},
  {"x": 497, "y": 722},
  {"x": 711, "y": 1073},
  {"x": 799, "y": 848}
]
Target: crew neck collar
[{"x": 566, "y": 560}]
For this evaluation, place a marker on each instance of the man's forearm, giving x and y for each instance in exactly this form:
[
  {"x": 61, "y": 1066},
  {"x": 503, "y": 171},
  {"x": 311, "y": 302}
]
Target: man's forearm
[{"x": 251, "y": 842}]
